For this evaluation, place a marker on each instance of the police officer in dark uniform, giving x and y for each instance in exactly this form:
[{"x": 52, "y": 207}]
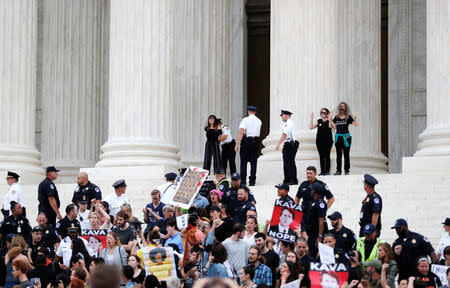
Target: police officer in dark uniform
[
  {"x": 240, "y": 213},
  {"x": 49, "y": 235},
  {"x": 230, "y": 197},
  {"x": 70, "y": 220},
  {"x": 48, "y": 196},
  {"x": 283, "y": 193},
  {"x": 86, "y": 188},
  {"x": 304, "y": 192},
  {"x": 408, "y": 247},
  {"x": 35, "y": 241},
  {"x": 317, "y": 225},
  {"x": 345, "y": 238},
  {"x": 371, "y": 206},
  {"x": 15, "y": 223},
  {"x": 223, "y": 184},
  {"x": 340, "y": 255}
]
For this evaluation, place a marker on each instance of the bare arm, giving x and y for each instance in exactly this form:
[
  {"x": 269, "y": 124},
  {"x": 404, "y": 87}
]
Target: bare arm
[
  {"x": 52, "y": 201},
  {"x": 283, "y": 137},
  {"x": 375, "y": 218},
  {"x": 433, "y": 257},
  {"x": 239, "y": 139},
  {"x": 355, "y": 119},
  {"x": 311, "y": 124},
  {"x": 330, "y": 202}
]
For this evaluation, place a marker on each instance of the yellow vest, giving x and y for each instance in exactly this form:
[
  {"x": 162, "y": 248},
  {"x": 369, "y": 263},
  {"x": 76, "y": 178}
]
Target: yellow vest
[{"x": 360, "y": 245}]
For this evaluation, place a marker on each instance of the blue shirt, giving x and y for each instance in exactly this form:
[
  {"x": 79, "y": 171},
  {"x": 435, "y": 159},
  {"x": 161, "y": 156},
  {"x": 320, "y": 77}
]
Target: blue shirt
[
  {"x": 130, "y": 284},
  {"x": 217, "y": 270},
  {"x": 158, "y": 210},
  {"x": 201, "y": 202},
  {"x": 177, "y": 240},
  {"x": 263, "y": 275}
]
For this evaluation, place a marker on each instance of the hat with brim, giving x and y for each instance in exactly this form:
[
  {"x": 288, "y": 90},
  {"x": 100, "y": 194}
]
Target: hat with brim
[
  {"x": 285, "y": 112},
  {"x": 399, "y": 223},
  {"x": 12, "y": 175},
  {"x": 51, "y": 169}
]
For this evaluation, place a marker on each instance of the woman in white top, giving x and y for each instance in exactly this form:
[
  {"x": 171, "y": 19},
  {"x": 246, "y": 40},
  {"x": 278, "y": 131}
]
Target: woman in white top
[{"x": 251, "y": 229}]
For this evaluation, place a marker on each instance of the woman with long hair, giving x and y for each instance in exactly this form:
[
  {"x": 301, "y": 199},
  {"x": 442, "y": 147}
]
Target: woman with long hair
[
  {"x": 215, "y": 265},
  {"x": 246, "y": 276},
  {"x": 132, "y": 220},
  {"x": 18, "y": 247},
  {"x": 139, "y": 274},
  {"x": 324, "y": 138},
  {"x": 213, "y": 131},
  {"x": 78, "y": 248},
  {"x": 114, "y": 254},
  {"x": 251, "y": 228},
  {"x": 343, "y": 139},
  {"x": 288, "y": 273},
  {"x": 102, "y": 209},
  {"x": 386, "y": 256}
]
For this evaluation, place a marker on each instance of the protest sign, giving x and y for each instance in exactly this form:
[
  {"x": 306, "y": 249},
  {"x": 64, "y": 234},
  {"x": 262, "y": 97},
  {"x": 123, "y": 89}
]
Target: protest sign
[
  {"x": 189, "y": 186},
  {"x": 293, "y": 284},
  {"x": 159, "y": 261},
  {"x": 182, "y": 221},
  {"x": 326, "y": 254},
  {"x": 286, "y": 219},
  {"x": 327, "y": 275},
  {"x": 96, "y": 238},
  {"x": 441, "y": 272}
]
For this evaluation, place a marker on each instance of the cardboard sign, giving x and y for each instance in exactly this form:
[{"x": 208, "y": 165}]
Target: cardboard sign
[
  {"x": 96, "y": 238},
  {"x": 189, "y": 186},
  {"x": 441, "y": 272},
  {"x": 159, "y": 261},
  {"x": 286, "y": 219},
  {"x": 327, "y": 275}
]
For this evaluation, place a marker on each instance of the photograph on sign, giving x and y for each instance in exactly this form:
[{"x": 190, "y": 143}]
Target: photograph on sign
[
  {"x": 96, "y": 238},
  {"x": 327, "y": 275},
  {"x": 286, "y": 219},
  {"x": 189, "y": 186}
]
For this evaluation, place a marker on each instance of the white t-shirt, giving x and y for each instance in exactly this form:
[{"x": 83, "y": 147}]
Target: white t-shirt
[
  {"x": 250, "y": 240},
  {"x": 115, "y": 202},
  {"x": 226, "y": 131},
  {"x": 252, "y": 125},
  {"x": 65, "y": 251},
  {"x": 15, "y": 193},
  {"x": 83, "y": 218},
  {"x": 288, "y": 128}
]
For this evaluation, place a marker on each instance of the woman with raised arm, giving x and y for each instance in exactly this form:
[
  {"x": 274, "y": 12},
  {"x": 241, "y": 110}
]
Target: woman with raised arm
[
  {"x": 213, "y": 131},
  {"x": 324, "y": 138}
]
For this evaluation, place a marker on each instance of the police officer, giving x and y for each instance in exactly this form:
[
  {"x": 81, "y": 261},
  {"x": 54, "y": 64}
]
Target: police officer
[
  {"x": 371, "y": 206},
  {"x": 36, "y": 241},
  {"x": 240, "y": 213},
  {"x": 317, "y": 225},
  {"x": 345, "y": 238},
  {"x": 87, "y": 189},
  {"x": 228, "y": 154},
  {"x": 248, "y": 139},
  {"x": 290, "y": 147},
  {"x": 48, "y": 196},
  {"x": 118, "y": 198},
  {"x": 167, "y": 189},
  {"x": 15, "y": 224},
  {"x": 223, "y": 184},
  {"x": 49, "y": 235},
  {"x": 304, "y": 192},
  {"x": 408, "y": 247},
  {"x": 340, "y": 255},
  {"x": 70, "y": 220},
  {"x": 283, "y": 193},
  {"x": 230, "y": 197},
  {"x": 15, "y": 193},
  {"x": 368, "y": 245}
]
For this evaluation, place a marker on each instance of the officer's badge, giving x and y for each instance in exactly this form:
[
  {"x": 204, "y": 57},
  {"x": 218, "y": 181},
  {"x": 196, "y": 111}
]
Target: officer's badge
[
  {"x": 304, "y": 189},
  {"x": 313, "y": 204},
  {"x": 87, "y": 188},
  {"x": 344, "y": 235},
  {"x": 21, "y": 222},
  {"x": 413, "y": 241},
  {"x": 368, "y": 200},
  {"x": 243, "y": 207},
  {"x": 46, "y": 231},
  {"x": 52, "y": 186},
  {"x": 376, "y": 200},
  {"x": 336, "y": 256}
]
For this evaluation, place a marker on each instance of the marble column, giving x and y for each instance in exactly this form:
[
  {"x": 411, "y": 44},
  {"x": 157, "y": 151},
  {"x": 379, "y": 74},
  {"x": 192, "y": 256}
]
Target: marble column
[
  {"x": 71, "y": 110},
  {"x": 141, "y": 117},
  {"x": 201, "y": 71},
  {"x": 435, "y": 139},
  {"x": 18, "y": 32},
  {"x": 359, "y": 80},
  {"x": 303, "y": 75}
]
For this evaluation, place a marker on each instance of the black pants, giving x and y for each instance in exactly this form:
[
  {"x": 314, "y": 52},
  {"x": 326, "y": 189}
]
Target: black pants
[
  {"x": 249, "y": 153},
  {"x": 51, "y": 217},
  {"x": 229, "y": 155},
  {"x": 312, "y": 245},
  {"x": 340, "y": 146},
  {"x": 324, "y": 150},
  {"x": 212, "y": 151},
  {"x": 289, "y": 167}
]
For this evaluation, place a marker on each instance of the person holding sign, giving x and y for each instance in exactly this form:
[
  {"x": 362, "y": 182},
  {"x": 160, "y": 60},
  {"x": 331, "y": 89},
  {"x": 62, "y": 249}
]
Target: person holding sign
[
  {"x": 286, "y": 218},
  {"x": 283, "y": 192}
]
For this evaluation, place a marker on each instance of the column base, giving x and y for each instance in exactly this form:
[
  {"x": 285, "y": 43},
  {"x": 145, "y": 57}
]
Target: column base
[
  {"x": 22, "y": 159},
  {"x": 436, "y": 165},
  {"x": 434, "y": 142}
]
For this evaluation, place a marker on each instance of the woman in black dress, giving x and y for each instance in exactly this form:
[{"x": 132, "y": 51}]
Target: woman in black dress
[
  {"x": 213, "y": 131},
  {"x": 343, "y": 139},
  {"x": 324, "y": 139}
]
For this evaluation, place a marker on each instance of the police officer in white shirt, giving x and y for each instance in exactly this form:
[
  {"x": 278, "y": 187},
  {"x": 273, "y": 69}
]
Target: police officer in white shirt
[
  {"x": 117, "y": 199},
  {"x": 167, "y": 189},
  {"x": 290, "y": 147},
  {"x": 248, "y": 138},
  {"x": 64, "y": 251},
  {"x": 15, "y": 193},
  {"x": 228, "y": 154}
]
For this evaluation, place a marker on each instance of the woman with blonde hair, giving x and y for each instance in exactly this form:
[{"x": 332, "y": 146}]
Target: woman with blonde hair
[
  {"x": 114, "y": 254},
  {"x": 18, "y": 247}
]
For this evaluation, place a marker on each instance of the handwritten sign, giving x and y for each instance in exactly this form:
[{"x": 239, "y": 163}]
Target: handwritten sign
[
  {"x": 189, "y": 186},
  {"x": 441, "y": 272}
]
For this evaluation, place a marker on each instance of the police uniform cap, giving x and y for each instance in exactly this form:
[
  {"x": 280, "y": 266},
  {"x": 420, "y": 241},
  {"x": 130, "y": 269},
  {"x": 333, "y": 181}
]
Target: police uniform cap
[
  {"x": 399, "y": 223},
  {"x": 318, "y": 188},
  {"x": 375, "y": 263},
  {"x": 446, "y": 222},
  {"x": 282, "y": 186},
  {"x": 72, "y": 228},
  {"x": 235, "y": 176},
  {"x": 251, "y": 108},
  {"x": 285, "y": 112},
  {"x": 369, "y": 179},
  {"x": 51, "y": 169},
  {"x": 9, "y": 237},
  {"x": 369, "y": 229},
  {"x": 336, "y": 215},
  {"x": 170, "y": 176},
  {"x": 36, "y": 228},
  {"x": 119, "y": 183},
  {"x": 219, "y": 171},
  {"x": 12, "y": 175}
]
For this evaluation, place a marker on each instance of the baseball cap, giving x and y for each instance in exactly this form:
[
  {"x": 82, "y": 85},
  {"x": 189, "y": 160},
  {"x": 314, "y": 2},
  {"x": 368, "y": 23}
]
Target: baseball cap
[{"x": 399, "y": 223}]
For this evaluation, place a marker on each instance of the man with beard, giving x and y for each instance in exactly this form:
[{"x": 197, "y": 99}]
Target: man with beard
[
  {"x": 124, "y": 231},
  {"x": 368, "y": 245},
  {"x": 69, "y": 220},
  {"x": 230, "y": 196},
  {"x": 36, "y": 241},
  {"x": 271, "y": 257},
  {"x": 263, "y": 274},
  {"x": 345, "y": 238},
  {"x": 64, "y": 251},
  {"x": 49, "y": 235},
  {"x": 409, "y": 247},
  {"x": 240, "y": 213}
]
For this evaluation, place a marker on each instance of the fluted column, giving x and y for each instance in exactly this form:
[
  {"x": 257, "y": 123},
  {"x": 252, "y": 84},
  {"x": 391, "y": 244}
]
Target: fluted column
[
  {"x": 435, "y": 139},
  {"x": 18, "y": 32},
  {"x": 201, "y": 72},
  {"x": 359, "y": 80},
  {"x": 141, "y": 117},
  {"x": 71, "y": 85},
  {"x": 303, "y": 73}
]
